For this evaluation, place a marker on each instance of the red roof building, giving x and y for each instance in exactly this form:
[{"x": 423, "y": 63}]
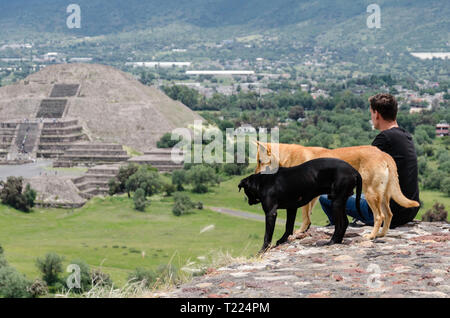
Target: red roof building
[{"x": 442, "y": 129}]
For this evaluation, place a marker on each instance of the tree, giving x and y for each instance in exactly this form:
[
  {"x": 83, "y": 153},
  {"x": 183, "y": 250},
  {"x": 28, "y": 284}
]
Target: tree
[
  {"x": 13, "y": 284},
  {"x": 296, "y": 112},
  {"x": 201, "y": 177},
  {"x": 117, "y": 184},
  {"x": 85, "y": 276},
  {"x": 12, "y": 194},
  {"x": 179, "y": 178},
  {"x": 166, "y": 141},
  {"x": 182, "y": 204},
  {"x": 145, "y": 178},
  {"x": 139, "y": 200},
  {"x": 445, "y": 185},
  {"x": 50, "y": 267}
]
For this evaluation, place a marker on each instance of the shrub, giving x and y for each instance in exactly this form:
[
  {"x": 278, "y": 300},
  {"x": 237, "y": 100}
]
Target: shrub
[
  {"x": 139, "y": 200},
  {"x": 235, "y": 169},
  {"x": 445, "y": 186},
  {"x": 182, "y": 204},
  {"x": 30, "y": 195},
  {"x": 13, "y": 284},
  {"x": 98, "y": 278},
  {"x": 201, "y": 177},
  {"x": 147, "y": 277},
  {"x": 166, "y": 141},
  {"x": 3, "y": 261},
  {"x": 167, "y": 274},
  {"x": 433, "y": 181},
  {"x": 145, "y": 178},
  {"x": 114, "y": 186},
  {"x": 38, "y": 288},
  {"x": 169, "y": 188},
  {"x": 50, "y": 267},
  {"x": 12, "y": 194},
  {"x": 436, "y": 214},
  {"x": 85, "y": 277},
  {"x": 118, "y": 183},
  {"x": 179, "y": 178}
]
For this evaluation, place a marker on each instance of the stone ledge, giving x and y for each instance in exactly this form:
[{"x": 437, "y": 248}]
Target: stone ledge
[{"x": 411, "y": 261}]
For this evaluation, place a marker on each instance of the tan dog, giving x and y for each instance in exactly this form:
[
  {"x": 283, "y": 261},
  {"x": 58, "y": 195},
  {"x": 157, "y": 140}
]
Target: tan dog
[{"x": 377, "y": 168}]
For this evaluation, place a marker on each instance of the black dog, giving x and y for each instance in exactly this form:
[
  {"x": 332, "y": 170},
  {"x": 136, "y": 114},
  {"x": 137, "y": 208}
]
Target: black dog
[{"x": 291, "y": 188}]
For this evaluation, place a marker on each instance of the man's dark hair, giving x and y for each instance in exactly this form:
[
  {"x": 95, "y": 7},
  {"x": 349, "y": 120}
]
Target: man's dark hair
[{"x": 386, "y": 105}]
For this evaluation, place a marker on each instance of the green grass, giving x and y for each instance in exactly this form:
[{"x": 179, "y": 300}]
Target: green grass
[
  {"x": 431, "y": 197},
  {"x": 107, "y": 233}
]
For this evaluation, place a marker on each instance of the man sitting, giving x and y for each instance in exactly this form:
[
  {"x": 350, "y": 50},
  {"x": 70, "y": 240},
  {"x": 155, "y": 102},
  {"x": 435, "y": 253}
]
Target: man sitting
[{"x": 398, "y": 143}]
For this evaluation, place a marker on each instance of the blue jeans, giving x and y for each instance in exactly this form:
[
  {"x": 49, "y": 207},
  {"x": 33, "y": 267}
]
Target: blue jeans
[{"x": 350, "y": 209}]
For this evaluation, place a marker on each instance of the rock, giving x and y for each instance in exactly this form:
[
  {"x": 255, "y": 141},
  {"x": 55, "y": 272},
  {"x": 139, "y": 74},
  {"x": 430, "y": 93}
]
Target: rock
[
  {"x": 273, "y": 278},
  {"x": 322, "y": 294},
  {"x": 368, "y": 244},
  {"x": 402, "y": 266},
  {"x": 218, "y": 296},
  {"x": 204, "y": 285},
  {"x": 343, "y": 258},
  {"x": 239, "y": 274},
  {"x": 430, "y": 294},
  {"x": 227, "y": 284}
]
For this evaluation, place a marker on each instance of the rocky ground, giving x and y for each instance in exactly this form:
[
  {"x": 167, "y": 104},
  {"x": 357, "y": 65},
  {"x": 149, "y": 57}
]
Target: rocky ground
[{"x": 412, "y": 261}]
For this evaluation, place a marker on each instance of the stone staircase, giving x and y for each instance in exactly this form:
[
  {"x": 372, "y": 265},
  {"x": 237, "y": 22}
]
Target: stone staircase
[
  {"x": 95, "y": 181},
  {"x": 52, "y": 108},
  {"x": 162, "y": 159},
  {"x": 27, "y": 137},
  {"x": 8, "y": 132},
  {"x": 58, "y": 136},
  {"x": 64, "y": 90}
]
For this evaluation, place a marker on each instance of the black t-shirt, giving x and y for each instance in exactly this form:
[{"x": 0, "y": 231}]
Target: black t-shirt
[{"x": 399, "y": 144}]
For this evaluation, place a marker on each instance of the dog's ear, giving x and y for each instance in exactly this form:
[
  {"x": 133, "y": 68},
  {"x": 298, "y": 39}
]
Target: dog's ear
[
  {"x": 262, "y": 146},
  {"x": 243, "y": 184}
]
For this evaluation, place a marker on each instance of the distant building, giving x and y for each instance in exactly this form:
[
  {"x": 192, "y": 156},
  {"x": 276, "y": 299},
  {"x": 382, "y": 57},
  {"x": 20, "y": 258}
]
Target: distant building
[
  {"x": 219, "y": 72},
  {"x": 80, "y": 60},
  {"x": 159, "y": 64},
  {"x": 442, "y": 129}
]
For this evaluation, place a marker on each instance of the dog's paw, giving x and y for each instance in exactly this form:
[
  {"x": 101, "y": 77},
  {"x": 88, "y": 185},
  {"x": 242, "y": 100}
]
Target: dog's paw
[
  {"x": 263, "y": 250},
  {"x": 369, "y": 236}
]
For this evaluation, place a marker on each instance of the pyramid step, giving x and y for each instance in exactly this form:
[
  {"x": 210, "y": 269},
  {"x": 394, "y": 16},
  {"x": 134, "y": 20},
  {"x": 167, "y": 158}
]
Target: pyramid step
[
  {"x": 60, "y": 123},
  {"x": 91, "y": 185},
  {"x": 98, "y": 152},
  {"x": 61, "y": 139},
  {"x": 62, "y": 131},
  {"x": 95, "y": 158}
]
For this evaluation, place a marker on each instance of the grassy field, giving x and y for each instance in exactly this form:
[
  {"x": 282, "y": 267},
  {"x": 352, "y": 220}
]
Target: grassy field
[{"x": 108, "y": 233}]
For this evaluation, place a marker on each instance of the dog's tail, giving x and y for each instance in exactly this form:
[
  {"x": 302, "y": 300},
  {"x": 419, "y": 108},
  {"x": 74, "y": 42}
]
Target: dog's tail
[
  {"x": 393, "y": 187},
  {"x": 358, "y": 193}
]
